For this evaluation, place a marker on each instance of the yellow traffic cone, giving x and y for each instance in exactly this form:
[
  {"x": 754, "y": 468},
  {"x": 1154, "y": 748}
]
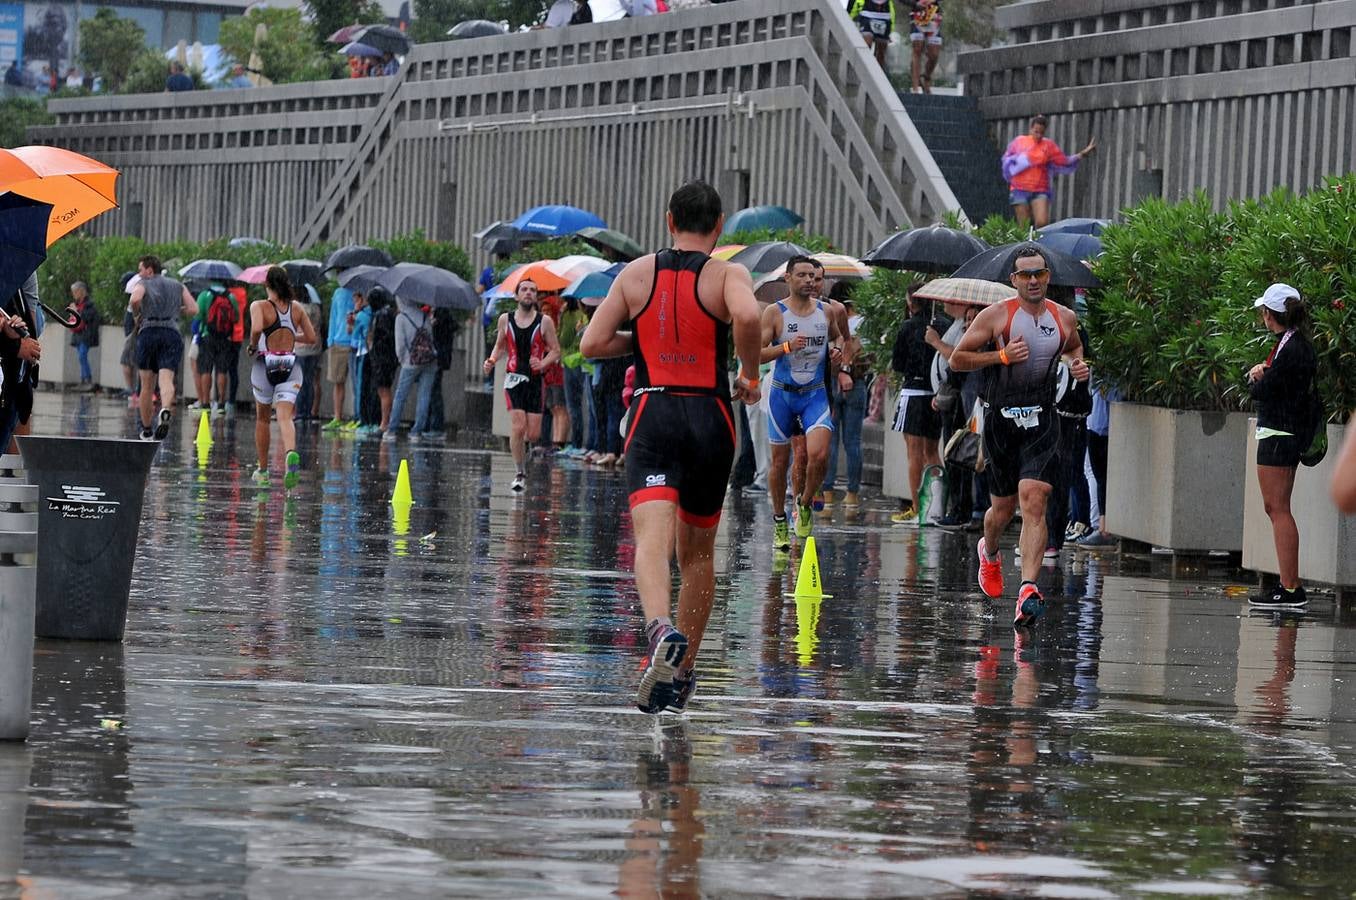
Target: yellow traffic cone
[
  {"x": 808, "y": 584},
  {"x": 402, "y": 495},
  {"x": 807, "y": 628},
  {"x": 400, "y": 524},
  {"x": 204, "y": 438}
]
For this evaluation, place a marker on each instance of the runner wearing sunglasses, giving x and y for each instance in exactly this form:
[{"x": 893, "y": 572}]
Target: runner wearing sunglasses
[{"x": 1019, "y": 343}]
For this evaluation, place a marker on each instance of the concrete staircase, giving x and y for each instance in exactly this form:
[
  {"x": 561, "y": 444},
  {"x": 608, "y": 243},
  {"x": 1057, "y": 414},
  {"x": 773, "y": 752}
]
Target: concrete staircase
[{"x": 954, "y": 131}]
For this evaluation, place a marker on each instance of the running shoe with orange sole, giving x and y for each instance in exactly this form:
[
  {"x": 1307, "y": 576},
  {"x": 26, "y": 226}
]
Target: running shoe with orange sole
[
  {"x": 990, "y": 573},
  {"x": 1030, "y": 605}
]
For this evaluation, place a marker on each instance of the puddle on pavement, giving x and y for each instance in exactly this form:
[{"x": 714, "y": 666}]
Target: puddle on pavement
[{"x": 317, "y": 699}]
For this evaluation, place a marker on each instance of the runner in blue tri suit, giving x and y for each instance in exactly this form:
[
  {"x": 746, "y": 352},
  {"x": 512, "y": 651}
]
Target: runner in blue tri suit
[{"x": 797, "y": 333}]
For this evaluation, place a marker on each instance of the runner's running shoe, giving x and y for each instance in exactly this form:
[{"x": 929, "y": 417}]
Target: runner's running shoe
[
  {"x": 781, "y": 534},
  {"x": 1030, "y": 605},
  {"x": 519, "y": 483},
  {"x": 684, "y": 687},
  {"x": 658, "y": 687},
  {"x": 293, "y": 469},
  {"x": 1280, "y": 598},
  {"x": 261, "y": 478},
  {"x": 332, "y": 425},
  {"x": 990, "y": 572},
  {"x": 147, "y": 434},
  {"x": 805, "y": 521},
  {"x": 162, "y": 424}
]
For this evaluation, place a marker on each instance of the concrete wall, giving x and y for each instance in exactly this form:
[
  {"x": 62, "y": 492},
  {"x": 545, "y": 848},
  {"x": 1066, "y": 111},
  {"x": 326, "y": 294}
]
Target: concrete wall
[
  {"x": 1327, "y": 538},
  {"x": 1176, "y": 477},
  {"x": 1234, "y": 97}
]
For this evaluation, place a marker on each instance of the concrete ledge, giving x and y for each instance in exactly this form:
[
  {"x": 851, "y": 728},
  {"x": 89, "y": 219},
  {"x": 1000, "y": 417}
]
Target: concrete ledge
[
  {"x": 1176, "y": 477},
  {"x": 1327, "y": 538}
]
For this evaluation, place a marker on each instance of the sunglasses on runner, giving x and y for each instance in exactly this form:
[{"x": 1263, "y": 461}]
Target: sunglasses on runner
[{"x": 1032, "y": 273}]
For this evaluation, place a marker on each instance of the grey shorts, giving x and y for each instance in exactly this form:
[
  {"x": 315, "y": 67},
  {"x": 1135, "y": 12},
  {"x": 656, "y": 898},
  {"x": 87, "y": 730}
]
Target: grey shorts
[{"x": 555, "y": 395}]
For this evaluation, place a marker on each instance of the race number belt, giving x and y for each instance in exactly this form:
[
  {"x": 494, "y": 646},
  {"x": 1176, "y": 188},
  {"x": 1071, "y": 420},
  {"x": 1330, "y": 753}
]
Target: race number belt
[
  {"x": 1023, "y": 416},
  {"x": 513, "y": 379}
]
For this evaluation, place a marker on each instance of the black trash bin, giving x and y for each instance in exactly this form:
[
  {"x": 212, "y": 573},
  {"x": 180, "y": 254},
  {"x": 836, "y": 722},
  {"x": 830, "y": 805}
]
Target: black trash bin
[{"x": 89, "y": 512}]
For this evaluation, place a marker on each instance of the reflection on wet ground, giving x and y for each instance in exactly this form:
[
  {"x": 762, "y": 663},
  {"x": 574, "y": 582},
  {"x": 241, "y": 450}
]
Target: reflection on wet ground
[{"x": 316, "y": 699}]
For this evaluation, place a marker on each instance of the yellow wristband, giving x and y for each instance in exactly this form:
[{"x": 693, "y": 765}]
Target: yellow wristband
[{"x": 1003, "y": 357}]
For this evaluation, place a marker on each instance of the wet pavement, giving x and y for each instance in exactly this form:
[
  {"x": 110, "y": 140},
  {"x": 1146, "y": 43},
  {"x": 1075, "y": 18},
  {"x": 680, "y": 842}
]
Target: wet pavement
[{"x": 318, "y": 700}]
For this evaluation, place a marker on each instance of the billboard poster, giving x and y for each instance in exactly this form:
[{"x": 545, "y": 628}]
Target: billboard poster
[
  {"x": 48, "y": 39},
  {"x": 11, "y": 32}
]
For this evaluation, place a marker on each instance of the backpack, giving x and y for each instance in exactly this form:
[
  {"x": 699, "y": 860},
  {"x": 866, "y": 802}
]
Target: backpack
[
  {"x": 221, "y": 316},
  {"x": 1315, "y": 441},
  {"x": 422, "y": 351}
]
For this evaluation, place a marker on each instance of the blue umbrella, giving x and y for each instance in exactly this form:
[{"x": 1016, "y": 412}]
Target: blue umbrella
[
  {"x": 210, "y": 270},
  {"x": 556, "y": 220},
  {"x": 593, "y": 286},
  {"x": 23, "y": 240},
  {"x": 1079, "y": 246},
  {"x": 1076, "y": 226},
  {"x": 756, "y": 218},
  {"x": 359, "y": 49}
]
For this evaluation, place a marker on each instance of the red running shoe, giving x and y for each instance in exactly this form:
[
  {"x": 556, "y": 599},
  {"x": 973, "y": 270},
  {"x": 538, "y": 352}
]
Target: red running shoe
[
  {"x": 1030, "y": 605},
  {"x": 990, "y": 573}
]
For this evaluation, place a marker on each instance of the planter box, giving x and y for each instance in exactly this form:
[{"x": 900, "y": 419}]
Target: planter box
[
  {"x": 1176, "y": 477},
  {"x": 895, "y": 472},
  {"x": 1327, "y": 538},
  {"x": 60, "y": 366},
  {"x": 108, "y": 372}
]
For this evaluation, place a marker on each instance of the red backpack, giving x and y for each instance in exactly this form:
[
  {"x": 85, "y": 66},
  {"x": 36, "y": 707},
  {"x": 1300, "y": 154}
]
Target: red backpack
[{"x": 221, "y": 316}]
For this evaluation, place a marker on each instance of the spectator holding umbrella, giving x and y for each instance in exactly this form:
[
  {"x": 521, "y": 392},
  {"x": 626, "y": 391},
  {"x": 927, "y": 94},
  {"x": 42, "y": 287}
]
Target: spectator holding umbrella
[{"x": 1028, "y": 166}]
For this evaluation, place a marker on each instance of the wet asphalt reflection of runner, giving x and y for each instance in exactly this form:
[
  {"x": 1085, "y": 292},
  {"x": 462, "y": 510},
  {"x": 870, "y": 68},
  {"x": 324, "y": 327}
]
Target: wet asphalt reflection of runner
[{"x": 316, "y": 699}]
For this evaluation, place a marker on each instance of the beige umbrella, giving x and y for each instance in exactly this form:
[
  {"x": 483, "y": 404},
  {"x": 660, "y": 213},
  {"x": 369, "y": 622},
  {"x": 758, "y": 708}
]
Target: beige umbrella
[
  {"x": 771, "y": 287},
  {"x": 970, "y": 291}
]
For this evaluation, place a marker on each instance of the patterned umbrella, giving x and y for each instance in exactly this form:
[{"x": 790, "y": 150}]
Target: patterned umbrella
[
  {"x": 970, "y": 291},
  {"x": 772, "y": 287}
]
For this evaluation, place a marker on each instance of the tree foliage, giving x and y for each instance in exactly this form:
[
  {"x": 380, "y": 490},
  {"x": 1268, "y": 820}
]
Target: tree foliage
[
  {"x": 109, "y": 45},
  {"x": 331, "y": 15},
  {"x": 972, "y": 21},
  {"x": 16, "y": 115},
  {"x": 289, "y": 50},
  {"x": 432, "y": 18}
]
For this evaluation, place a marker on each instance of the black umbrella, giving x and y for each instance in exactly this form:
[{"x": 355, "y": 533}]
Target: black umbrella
[
  {"x": 474, "y": 28},
  {"x": 304, "y": 271},
  {"x": 358, "y": 255},
  {"x": 500, "y": 246},
  {"x": 767, "y": 255},
  {"x": 386, "y": 38},
  {"x": 936, "y": 250},
  {"x": 361, "y": 279},
  {"x": 429, "y": 285},
  {"x": 500, "y": 237},
  {"x": 996, "y": 264},
  {"x": 23, "y": 240}
]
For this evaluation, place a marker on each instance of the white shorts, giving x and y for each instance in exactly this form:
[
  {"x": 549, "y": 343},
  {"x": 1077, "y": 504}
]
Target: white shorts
[
  {"x": 932, "y": 33},
  {"x": 274, "y": 393}
]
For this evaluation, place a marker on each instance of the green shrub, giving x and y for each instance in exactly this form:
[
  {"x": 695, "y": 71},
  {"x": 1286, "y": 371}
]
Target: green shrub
[
  {"x": 1174, "y": 325},
  {"x": 17, "y": 115},
  {"x": 415, "y": 247},
  {"x": 882, "y": 302},
  {"x": 815, "y": 243}
]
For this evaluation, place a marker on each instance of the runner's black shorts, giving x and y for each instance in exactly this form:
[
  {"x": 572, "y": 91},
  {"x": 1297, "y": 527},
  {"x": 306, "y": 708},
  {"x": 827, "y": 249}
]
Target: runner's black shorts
[
  {"x": 528, "y": 396},
  {"x": 1282, "y": 450},
  {"x": 1013, "y": 454},
  {"x": 679, "y": 448}
]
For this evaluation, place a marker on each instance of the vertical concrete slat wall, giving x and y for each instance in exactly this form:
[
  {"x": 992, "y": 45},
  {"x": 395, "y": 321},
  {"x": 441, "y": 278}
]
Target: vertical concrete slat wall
[{"x": 1236, "y": 99}]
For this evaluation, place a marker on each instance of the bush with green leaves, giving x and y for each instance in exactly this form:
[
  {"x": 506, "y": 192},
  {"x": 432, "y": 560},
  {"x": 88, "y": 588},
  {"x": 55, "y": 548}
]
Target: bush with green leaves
[
  {"x": 1174, "y": 325},
  {"x": 882, "y": 302},
  {"x": 415, "y": 247},
  {"x": 815, "y": 243}
]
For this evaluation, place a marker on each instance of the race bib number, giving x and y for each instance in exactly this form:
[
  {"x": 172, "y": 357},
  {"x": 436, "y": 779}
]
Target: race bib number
[
  {"x": 879, "y": 28},
  {"x": 513, "y": 379},
  {"x": 1023, "y": 416}
]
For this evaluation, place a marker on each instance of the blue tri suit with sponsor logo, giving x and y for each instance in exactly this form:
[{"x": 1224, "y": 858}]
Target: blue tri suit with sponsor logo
[{"x": 799, "y": 401}]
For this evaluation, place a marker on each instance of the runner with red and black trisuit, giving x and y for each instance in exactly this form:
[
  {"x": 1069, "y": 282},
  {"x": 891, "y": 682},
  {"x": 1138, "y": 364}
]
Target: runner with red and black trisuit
[
  {"x": 528, "y": 339},
  {"x": 680, "y": 441},
  {"x": 1024, "y": 338}
]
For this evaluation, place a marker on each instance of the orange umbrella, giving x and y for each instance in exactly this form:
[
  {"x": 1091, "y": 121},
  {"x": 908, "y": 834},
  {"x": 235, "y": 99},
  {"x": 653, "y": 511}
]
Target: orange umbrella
[
  {"x": 539, "y": 272},
  {"x": 79, "y": 188}
]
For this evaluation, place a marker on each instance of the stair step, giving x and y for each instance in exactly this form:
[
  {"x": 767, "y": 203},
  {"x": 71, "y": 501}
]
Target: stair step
[{"x": 938, "y": 101}]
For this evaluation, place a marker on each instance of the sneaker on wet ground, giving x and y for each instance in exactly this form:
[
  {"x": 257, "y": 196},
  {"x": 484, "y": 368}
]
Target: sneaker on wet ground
[
  {"x": 332, "y": 425},
  {"x": 519, "y": 483},
  {"x": 805, "y": 520},
  {"x": 781, "y": 534},
  {"x": 1075, "y": 531},
  {"x": 1280, "y": 598},
  {"x": 1030, "y": 605},
  {"x": 1097, "y": 539},
  {"x": 147, "y": 434},
  {"x": 293, "y": 474},
  {"x": 684, "y": 685},
  {"x": 162, "y": 424},
  {"x": 905, "y": 517},
  {"x": 952, "y": 523},
  {"x": 261, "y": 477},
  {"x": 990, "y": 572},
  {"x": 388, "y": 436},
  {"x": 658, "y": 685}
]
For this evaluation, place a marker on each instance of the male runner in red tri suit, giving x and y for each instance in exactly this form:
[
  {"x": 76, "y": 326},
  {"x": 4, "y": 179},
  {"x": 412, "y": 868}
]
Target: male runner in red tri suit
[{"x": 680, "y": 440}]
